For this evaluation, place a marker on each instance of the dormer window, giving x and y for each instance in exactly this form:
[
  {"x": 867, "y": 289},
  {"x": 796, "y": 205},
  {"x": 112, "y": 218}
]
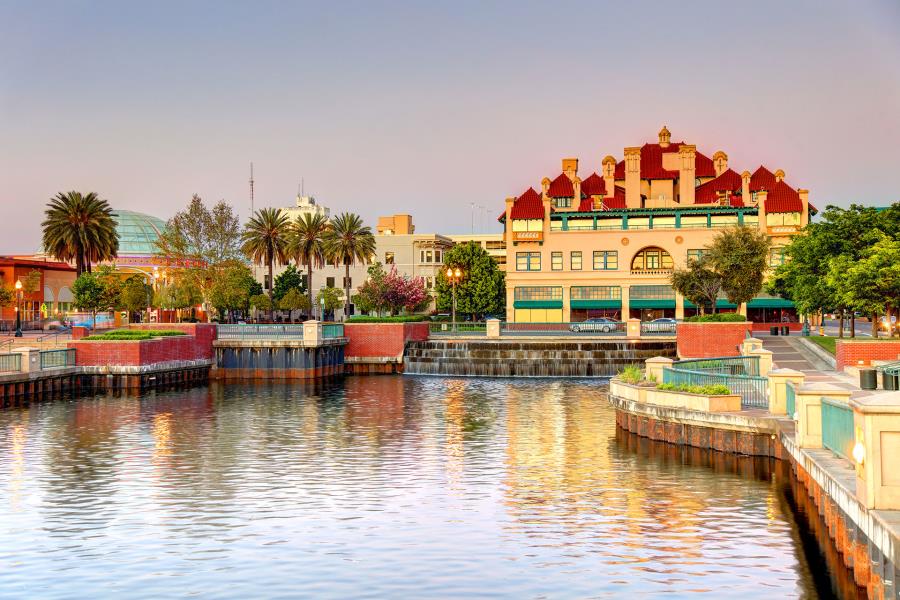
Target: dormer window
[{"x": 562, "y": 202}]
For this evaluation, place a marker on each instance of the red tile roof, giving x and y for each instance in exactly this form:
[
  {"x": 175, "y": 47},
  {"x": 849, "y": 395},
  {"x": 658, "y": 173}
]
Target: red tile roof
[
  {"x": 708, "y": 193},
  {"x": 651, "y": 163},
  {"x": 615, "y": 201},
  {"x": 561, "y": 187},
  {"x": 528, "y": 206},
  {"x": 762, "y": 178},
  {"x": 593, "y": 186},
  {"x": 782, "y": 198}
]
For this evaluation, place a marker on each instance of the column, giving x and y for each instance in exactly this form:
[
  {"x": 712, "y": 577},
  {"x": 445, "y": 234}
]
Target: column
[
  {"x": 778, "y": 381},
  {"x": 808, "y": 402},
  {"x": 566, "y": 310},
  {"x": 626, "y": 312},
  {"x": 679, "y": 306},
  {"x": 876, "y": 424}
]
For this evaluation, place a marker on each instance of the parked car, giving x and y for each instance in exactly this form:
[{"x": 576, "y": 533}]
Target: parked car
[
  {"x": 601, "y": 324},
  {"x": 663, "y": 325}
]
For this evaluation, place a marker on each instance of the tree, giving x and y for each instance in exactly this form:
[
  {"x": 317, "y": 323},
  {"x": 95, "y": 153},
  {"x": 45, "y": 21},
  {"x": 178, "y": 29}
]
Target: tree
[
  {"x": 232, "y": 286},
  {"x": 112, "y": 288},
  {"x": 135, "y": 295},
  {"x": 88, "y": 294},
  {"x": 370, "y": 296},
  {"x": 7, "y": 295},
  {"x": 293, "y": 300},
  {"x": 307, "y": 244},
  {"x": 740, "y": 255},
  {"x": 332, "y": 299},
  {"x": 699, "y": 283},
  {"x": 347, "y": 242},
  {"x": 31, "y": 282},
  {"x": 265, "y": 241},
  {"x": 391, "y": 292},
  {"x": 482, "y": 289},
  {"x": 289, "y": 279},
  {"x": 870, "y": 285},
  {"x": 80, "y": 228},
  {"x": 261, "y": 302}
]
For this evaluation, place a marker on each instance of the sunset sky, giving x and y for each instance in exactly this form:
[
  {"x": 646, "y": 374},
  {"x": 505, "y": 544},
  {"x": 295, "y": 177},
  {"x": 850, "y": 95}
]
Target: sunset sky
[{"x": 414, "y": 108}]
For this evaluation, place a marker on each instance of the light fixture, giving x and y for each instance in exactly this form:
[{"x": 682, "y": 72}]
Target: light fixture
[
  {"x": 450, "y": 272},
  {"x": 18, "y": 284},
  {"x": 859, "y": 453},
  {"x": 458, "y": 272}
]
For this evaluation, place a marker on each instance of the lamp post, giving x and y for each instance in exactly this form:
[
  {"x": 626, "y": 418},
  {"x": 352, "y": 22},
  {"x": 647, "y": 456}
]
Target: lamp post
[
  {"x": 18, "y": 308},
  {"x": 453, "y": 276}
]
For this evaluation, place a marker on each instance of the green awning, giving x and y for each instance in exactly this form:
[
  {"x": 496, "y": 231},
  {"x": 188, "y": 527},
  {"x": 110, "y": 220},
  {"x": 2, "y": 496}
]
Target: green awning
[
  {"x": 596, "y": 303},
  {"x": 651, "y": 303},
  {"x": 720, "y": 303},
  {"x": 770, "y": 303},
  {"x": 537, "y": 304}
]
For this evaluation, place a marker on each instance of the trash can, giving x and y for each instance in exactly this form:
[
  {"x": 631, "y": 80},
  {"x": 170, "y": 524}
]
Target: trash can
[
  {"x": 785, "y": 330},
  {"x": 773, "y": 330},
  {"x": 867, "y": 379},
  {"x": 890, "y": 382}
]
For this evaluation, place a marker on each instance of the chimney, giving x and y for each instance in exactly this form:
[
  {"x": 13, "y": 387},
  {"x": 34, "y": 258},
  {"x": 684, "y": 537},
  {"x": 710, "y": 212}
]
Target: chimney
[
  {"x": 687, "y": 158},
  {"x": 804, "y": 201},
  {"x": 720, "y": 162},
  {"x": 664, "y": 137},
  {"x": 762, "y": 195},
  {"x": 745, "y": 188},
  {"x": 570, "y": 167},
  {"x": 507, "y": 225},
  {"x": 779, "y": 175},
  {"x": 545, "y": 185},
  {"x": 576, "y": 187},
  {"x": 609, "y": 175},
  {"x": 632, "y": 177}
]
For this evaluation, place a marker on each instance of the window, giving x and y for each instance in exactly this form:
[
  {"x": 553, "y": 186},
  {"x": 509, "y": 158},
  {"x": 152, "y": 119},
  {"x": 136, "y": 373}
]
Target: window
[
  {"x": 266, "y": 282},
  {"x": 562, "y": 202},
  {"x": 426, "y": 256},
  {"x": 650, "y": 259},
  {"x": 528, "y": 261},
  {"x": 303, "y": 281},
  {"x": 540, "y": 293},
  {"x": 780, "y": 219},
  {"x": 556, "y": 262},
  {"x": 606, "y": 260},
  {"x": 575, "y": 260},
  {"x": 388, "y": 258},
  {"x": 437, "y": 256},
  {"x": 776, "y": 256},
  {"x": 696, "y": 253},
  {"x": 598, "y": 292},
  {"x": 329, "y": 282},
  {"x": 348, "y": 282},
  {"x": 495, "y": 245}
]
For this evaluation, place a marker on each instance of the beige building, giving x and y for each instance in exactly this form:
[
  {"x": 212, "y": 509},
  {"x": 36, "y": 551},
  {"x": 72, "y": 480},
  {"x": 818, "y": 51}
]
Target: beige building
[
  {"x": 605, "y": 244},
  {"x": 493, "y": 243},
  {"x": 305, "y": 205}
]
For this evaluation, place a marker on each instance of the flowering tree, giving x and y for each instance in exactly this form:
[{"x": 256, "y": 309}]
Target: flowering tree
[{"x": 391, "y": 292}]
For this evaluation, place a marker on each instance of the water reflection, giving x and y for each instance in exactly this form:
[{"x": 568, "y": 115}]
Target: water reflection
[{"x": 387, "y": 487}]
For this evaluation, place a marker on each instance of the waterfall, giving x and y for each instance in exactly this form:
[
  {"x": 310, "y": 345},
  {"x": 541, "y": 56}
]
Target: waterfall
[{"x": 530, "y": 358}]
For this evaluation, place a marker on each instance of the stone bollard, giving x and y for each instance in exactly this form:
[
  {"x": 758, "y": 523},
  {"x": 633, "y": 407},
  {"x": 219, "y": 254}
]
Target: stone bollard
[
  {"x": 808, "y": 402},
  {"x": 778, "y": 381},
  {"x": 876, "y": 424},
  {"x": 655, "y": 367},
  {"x": 312, "y": 333},
  {"x": 493, "y": 328},
  {"x": 765, "y": 360},
  {"x": 749, "y": 345},
  {"x": 633, "y": 328},
  {"x": 31, "y": 359}
]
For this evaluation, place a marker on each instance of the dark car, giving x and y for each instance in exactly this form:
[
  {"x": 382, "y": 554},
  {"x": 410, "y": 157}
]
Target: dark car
[{"x": 601, "y": 324}]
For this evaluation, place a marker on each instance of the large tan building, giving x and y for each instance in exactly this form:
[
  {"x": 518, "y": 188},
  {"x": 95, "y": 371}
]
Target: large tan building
[{"x": 605, "y": 244}]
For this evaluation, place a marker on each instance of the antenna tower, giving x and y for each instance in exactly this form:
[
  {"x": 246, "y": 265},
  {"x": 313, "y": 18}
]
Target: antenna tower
[{"x": 252, "y": 207}]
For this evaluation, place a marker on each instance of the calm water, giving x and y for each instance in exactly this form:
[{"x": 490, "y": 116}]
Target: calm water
[{"x": 385, "y": 487}]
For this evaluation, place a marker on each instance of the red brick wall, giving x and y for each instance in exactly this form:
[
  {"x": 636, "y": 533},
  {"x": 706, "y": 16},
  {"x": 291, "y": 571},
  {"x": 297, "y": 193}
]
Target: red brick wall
[
  {"x": 767, "y": 326},
  {"x": 205, "y": 333},
  {"x": 79, "y": 332},
  {"x": 141, "y": 352},
  {"x": 382, "y": 340},
  {"x": 850, "y": 353},
  {"x": 706, "y": 340}
]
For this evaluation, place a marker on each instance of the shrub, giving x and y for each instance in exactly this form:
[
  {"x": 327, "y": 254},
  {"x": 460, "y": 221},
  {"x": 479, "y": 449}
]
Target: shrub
[
  {"x": 718, "y": 318},
  {"x": 632, "y": 374},
  {"x": 396, "y": 319},
  {"x": 706, "y": 390},
  {"x": 133, "y": 334}
]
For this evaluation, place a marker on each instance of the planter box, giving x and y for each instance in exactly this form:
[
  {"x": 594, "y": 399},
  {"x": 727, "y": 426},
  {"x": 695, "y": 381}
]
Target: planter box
[
  {"x": 101, "y": 353},
  {"x": 672, "y": 399},
  {"x": 710, "y": 340}
]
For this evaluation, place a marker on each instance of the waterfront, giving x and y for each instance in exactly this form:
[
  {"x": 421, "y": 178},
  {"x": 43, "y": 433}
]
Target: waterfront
[{"x": 385, "y": 487}]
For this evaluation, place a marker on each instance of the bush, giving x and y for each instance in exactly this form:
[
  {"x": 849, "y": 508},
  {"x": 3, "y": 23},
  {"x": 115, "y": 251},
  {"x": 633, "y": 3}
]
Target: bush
[
  {"x": 397, "y": 319},
  {"x": 133, "y": 334},
  {"x": 632, "y": 374},
  {"x": 718, "y": 318},
  {"x": 706, "y": 390}
]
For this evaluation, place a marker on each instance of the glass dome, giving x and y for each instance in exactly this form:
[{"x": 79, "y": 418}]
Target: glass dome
[{"x": 137, "y": 232}]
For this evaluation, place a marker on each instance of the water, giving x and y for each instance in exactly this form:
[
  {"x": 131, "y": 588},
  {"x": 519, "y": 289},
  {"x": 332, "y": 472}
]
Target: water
[{"x": 386, "y": 487}]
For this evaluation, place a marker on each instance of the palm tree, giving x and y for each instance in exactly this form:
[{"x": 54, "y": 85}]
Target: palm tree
[
  {"x": 307, "y": 246},
  {"x": 265, "y": 240},
  {"x": 80, "y": 228},
  {"x": 346, "y": 242}
]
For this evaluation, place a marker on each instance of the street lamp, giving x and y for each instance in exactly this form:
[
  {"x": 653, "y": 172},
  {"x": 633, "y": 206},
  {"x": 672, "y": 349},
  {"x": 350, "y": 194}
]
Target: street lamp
[
  {"x": 18, "y": 308},
  {"x": 453, "y": 276}
]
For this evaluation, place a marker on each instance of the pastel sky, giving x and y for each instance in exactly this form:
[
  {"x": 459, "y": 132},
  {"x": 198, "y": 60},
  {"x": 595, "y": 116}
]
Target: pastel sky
[{"x": 425, "y": 108}]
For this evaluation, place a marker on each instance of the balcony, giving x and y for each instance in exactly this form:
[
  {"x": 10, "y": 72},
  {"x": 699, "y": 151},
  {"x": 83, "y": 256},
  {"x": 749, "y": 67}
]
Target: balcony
[{"x": 654, "y": 272}]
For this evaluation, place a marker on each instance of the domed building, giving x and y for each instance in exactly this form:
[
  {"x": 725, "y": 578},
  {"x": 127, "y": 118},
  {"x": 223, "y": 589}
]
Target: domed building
[{"x": 138, "y": 233}]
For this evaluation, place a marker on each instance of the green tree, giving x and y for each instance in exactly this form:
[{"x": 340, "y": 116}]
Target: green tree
[
  {"x": 740, "y": 255},
  {"x": 698, "y": 282},
  {"x": 347, "y": 242},
  {"x": 89, "y": 294},
  {"x": 232, "y": 287},
  {"x": 482, "y": 289},
  {"x": 307, "y": 244},
  {"x": 870, "y": 285},
  {"x": 265, "y": 241},
  {"x": 261, "y": 302},
  {"x": 289, "y": 279},
  {"x": 80, "y": 228},
  {"x": 135, "y": 295},
  {"x": 293, "y": 299},
  {"x": 332, "y": 297},
  {"x": 7, "y": 295},
  {"x": 370, "y": 296},
  {"x": 112, "y": 287},
  {"x": 31, "y": 282}
]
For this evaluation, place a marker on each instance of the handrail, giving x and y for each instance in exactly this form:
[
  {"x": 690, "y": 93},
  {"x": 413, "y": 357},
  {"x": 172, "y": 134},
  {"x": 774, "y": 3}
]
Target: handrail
[
  {"x": 891, "y": 368},
  {"x": 728, "y": 365},
  {"x": 753, "y": 389}
]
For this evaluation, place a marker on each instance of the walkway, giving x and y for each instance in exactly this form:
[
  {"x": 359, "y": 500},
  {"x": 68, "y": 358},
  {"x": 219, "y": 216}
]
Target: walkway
[{"x": 791, "y": 353}]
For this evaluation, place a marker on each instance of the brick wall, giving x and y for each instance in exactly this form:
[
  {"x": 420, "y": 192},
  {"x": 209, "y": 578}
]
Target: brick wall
[
  {"x": 706, "y": 340},
  {"x": 382, "y": 340},
  {"x": 143, "y": 352},
  {"x": 858, "y": 352},
  {"x": 766, "y": 327},
  {"x": 205, "y": 333}
]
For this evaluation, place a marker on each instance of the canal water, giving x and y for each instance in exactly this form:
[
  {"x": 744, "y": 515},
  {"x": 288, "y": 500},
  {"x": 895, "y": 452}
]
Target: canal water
[{"x": 388, "y": 487}]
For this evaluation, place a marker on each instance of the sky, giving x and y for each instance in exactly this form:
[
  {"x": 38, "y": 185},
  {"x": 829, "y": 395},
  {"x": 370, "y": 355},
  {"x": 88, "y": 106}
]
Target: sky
[{"x": 427, "y": 108}]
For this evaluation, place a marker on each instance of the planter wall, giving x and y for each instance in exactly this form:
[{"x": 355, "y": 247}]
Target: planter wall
[
  {"x": 854, "y": 353},
  {"x": 708, "y": 340},
  {"x": 382, "y": 341}
]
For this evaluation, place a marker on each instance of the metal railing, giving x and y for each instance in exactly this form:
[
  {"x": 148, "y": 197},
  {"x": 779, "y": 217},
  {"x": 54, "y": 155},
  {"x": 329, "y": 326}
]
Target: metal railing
[
  {"x": 51, "y": 359},
  {"x": 10, "y": 362},
  {"x": 727, "y": 365},
  {"x": 602, "y": 328},
  {"x": 651, "y": 328},
  {"x": 463, "y": 327},
  {"x": 753, "y": 390},
  {"x": 892, "y": 368},
  {"x": 790, "y": 400},
  {"x": 837, "y": 427},
  {"x": 332, "y": 330},
  {"x": 260, "y": 332}
]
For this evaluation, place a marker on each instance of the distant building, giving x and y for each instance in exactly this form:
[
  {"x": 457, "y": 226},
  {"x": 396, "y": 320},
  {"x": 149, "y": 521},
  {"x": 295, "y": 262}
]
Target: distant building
[
  {"x": 493, "y": 244},
  {"x": 52, "y": 296},
  {"x": 304, "y": 205}
]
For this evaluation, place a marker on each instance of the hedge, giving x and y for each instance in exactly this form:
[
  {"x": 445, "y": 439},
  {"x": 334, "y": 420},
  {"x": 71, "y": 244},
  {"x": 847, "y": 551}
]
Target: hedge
[
  {"x": 706, "y": 390},
  {"x": 397, "y": 319},
  {"x": 717, "y": 318},
  {"x": 133, "y": 334}
]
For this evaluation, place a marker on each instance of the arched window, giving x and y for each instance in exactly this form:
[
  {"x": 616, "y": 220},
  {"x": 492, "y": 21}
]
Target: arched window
[{"x": 650, "y": 259}]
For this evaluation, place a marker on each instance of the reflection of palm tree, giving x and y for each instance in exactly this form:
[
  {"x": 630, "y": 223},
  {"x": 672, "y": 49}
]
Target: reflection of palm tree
[
  {"x": 80, "y": 228},
  {"x": 265, "y": 240},
  {"x": 307, "y": 246},
  {"x": 347, "y": 242}
]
